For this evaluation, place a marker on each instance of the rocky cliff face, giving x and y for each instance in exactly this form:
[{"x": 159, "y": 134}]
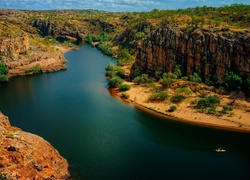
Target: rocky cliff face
[
  {"x": 210, "y": 54},
  {"x": 27, "y": 156},
  {"x": 14, "y": 46},
  {"x": 65, "y": 31},
  {"x": 18, "y": 54}
]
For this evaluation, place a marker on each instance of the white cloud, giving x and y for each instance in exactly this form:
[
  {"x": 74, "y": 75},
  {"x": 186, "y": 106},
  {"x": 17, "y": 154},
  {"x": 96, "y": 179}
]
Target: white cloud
[{"x": 112, "y": 5}]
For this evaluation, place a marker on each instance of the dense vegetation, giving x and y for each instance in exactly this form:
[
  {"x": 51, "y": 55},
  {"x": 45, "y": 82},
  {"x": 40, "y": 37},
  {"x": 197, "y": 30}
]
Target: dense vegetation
[
  {"x": 116, "y": 34},
  {"x": 3, "y": 73}
]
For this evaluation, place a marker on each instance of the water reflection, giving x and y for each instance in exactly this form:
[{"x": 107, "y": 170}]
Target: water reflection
[{"x": 104, "y": 138}]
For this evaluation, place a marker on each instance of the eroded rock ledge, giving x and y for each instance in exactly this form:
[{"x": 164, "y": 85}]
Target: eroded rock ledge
[
  {"x": 28, "y": 156},
  {"x": 19, "y": 55}
]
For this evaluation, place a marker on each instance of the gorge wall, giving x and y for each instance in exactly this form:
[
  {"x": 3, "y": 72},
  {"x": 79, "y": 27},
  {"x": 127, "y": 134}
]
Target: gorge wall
[
  {"x": 210, "y": 54},
  {"x": 18, "y": 54},
  {"x": 28, "y": 156}
]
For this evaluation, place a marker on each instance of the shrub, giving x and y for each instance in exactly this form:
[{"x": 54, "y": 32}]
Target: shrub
[
  {"x": 195, "y": 78},
  {"x": 185, "y": 78},
  {"x": 209, "y": 82},
  {"x": 177, "y": 71},
  {"x": 233, "y": 81},
  {"x": 158, "y": 96},
  {"x": 124, "y": 87},
  {"x": 112, "y": 70},
  {"x": 115, "y": 81},
  {"x": 211, "y": 110},
  {"x": 210, "y": 101},
  {"x": 227, "y": 108},
  {"x": 177, "y": 98},
  {"x": 152, "y": 85},
  {"x": 3, "y": 69},
  {"x": 141, "y": 79},
  {"x": 172, "y": 108},
  {"x": 185, "y": 90},
  {"x": 34, "y": 69},
  {"x": 3, "y": 78},
  {"x": 125, "y": 95}
]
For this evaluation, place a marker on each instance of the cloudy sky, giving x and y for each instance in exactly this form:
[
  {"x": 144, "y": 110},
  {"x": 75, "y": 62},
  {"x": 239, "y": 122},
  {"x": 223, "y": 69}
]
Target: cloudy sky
[{"x": 112, "y": 5}]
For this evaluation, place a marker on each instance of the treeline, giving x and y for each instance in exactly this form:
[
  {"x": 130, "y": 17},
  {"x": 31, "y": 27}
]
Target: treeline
[{"x": 237, "y": 15}]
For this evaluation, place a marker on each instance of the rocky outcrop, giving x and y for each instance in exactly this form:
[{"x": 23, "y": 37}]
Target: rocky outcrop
[
  {"x": 128, "y": 38},
  {"x": 61, "y": 30},
  {"x": 210, "y": 54},
  {"x": 19, "y": 55},
  {"x": 14, "y": 46},
  {"x": 28, "y": 156}
]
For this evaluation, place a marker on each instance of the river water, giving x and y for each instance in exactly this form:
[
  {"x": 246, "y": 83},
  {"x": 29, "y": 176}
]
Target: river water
[{"x": 103, "y": 138}]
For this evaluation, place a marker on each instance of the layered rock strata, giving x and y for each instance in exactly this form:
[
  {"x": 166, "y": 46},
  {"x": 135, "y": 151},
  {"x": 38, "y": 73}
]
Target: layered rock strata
[
  {"x": 19, "y": 55},
  {"x": 210, "y": 54},
  {"x": 28, "y": 156}
]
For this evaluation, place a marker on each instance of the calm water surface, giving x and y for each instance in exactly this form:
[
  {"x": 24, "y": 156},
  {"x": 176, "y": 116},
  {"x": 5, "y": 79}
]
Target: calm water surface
[{"x": 103, "y": 138}]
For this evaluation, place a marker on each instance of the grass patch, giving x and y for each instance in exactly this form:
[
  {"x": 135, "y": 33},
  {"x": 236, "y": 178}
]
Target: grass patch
[{"x": 34, "y": 69}]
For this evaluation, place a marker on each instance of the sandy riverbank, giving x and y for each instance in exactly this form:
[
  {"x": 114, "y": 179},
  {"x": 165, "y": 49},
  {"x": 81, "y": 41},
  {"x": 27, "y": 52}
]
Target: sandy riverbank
[{"x": 237, "y": 120}]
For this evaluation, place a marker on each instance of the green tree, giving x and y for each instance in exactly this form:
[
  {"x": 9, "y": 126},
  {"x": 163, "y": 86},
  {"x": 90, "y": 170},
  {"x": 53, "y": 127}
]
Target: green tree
[
  {"x": 3, "y": 72},
  {"x": 89, "y": 38},
  {"x": 115, "y": 81},
  {"x": 3, "y": 69},
  {"x": 233, "y": 81}
]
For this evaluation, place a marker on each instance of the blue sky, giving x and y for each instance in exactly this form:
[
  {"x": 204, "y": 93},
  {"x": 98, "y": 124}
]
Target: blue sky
[{"x": 112, "y": 5}]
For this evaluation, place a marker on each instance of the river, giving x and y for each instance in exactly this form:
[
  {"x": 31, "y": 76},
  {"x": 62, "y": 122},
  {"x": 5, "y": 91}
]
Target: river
[{"x": 104, "y": 138}]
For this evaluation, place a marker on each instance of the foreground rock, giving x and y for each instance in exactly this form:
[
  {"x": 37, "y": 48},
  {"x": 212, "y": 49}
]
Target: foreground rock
[{"x": 28, "y": 156}]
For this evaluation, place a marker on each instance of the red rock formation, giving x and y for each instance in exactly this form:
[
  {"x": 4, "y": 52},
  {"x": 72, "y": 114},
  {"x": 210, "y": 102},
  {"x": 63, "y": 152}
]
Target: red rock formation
[
  {"x": 18, "y": 54},
  {"x": 28, "y": 156},
  {"x": 210, "y": 54}
]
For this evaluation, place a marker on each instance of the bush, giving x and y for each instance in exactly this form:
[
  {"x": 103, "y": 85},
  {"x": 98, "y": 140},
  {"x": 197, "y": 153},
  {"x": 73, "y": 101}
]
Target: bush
[
  {"x": 141, "y": 79},
  {"x": 227, "y": 108},
  {"x": 125, "y": 95},
  {"x": 112, "y": 70},
  {"x": 3, "y": 78},
  {"x": 195, "y": 78},
  {"x": 166, "y": 82},
  {"x": 3, "y": 69},
  {"x": 172, "y": 108},
  {"x": 158, "y": 96},
  {"x": 152, "y": 85},
  {"x": 209, "y": 82},
  {"x": 184, "y": 78},
  {"x": 233, "y": 81},
  {"x": 177, "y": 71},
  {"x": 177, "y": 98},
  {"x": 185, "y": 90},
  {"x": 211, "y": 110},
  {"x": 34, "y": 69},
  {"x": 207, "y": 102},
  {"x": 124, "y": 87},
  {"x": 115, "y": 81}
]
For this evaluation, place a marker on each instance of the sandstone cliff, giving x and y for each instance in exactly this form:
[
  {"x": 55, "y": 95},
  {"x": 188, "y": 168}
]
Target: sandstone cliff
[
  {"x": 210, "y": 54},
  {"x": 65, "y": 30},
  {"x": 28, "y": 156},
  {"x": 19, "y": 55}
]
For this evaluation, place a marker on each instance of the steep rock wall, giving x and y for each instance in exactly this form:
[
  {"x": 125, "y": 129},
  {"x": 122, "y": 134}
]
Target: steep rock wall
[
  {"x": 14, "y": 46},
  {"x": 28, "y": 156},
  {"x": 63, "y": 30},
  {"x": 210, "y": 54},
  {"x": 18, "y": 54}
]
